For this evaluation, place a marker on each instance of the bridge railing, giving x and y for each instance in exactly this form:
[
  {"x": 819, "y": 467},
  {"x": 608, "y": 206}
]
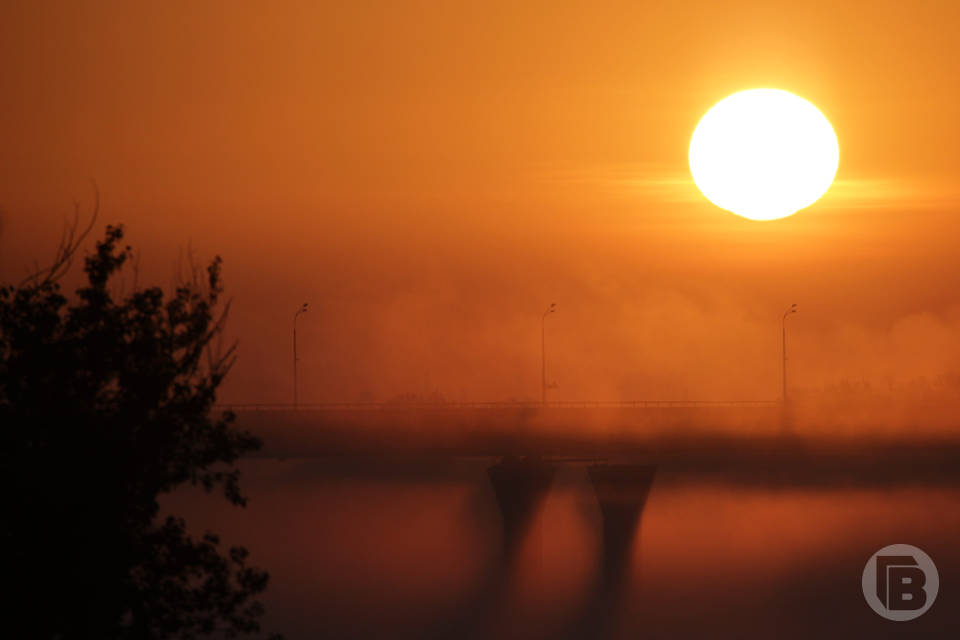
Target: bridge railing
[{"x": 440, "y": 406}]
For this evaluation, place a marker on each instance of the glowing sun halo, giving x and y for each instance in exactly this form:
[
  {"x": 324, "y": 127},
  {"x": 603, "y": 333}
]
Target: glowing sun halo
[{"x": 763, "y": 154}]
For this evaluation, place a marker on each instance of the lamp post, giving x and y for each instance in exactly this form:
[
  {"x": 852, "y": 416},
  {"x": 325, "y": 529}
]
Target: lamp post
[
  {"x": 302, "y": 309},
  {"x": 543, "y": 353},
  {"x": 783, "y": 345}
]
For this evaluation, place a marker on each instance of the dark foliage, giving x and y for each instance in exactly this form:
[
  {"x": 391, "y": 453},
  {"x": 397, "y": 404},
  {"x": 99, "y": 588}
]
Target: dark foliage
[{"x": 105, "y": 405}]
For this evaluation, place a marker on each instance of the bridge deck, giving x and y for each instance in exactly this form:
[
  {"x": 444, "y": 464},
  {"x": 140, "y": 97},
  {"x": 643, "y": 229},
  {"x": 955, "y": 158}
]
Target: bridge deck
[{"x": 453, "y": 406}]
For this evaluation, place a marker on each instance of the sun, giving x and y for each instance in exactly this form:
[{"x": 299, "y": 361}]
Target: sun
[{"x": 763, "y": 154}]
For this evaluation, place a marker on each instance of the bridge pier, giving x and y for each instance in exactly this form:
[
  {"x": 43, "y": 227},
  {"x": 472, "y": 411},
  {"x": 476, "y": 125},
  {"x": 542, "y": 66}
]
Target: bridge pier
[
  {"x": 520, "y": 486},
  {"x": 622, "y": 491}
]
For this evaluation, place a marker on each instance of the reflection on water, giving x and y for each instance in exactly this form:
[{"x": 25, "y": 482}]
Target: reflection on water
[{"x": 367, "y": 548}]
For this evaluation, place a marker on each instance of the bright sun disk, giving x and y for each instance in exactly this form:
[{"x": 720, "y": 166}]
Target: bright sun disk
[{"x": 763, "y": 154}]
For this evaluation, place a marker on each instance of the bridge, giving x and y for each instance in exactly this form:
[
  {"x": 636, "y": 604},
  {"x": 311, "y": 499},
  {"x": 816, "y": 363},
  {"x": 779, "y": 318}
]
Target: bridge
[
  {"x": 628, "y": 448},
  {"x": 454, "y": 405},
  {"x": 494, "y": 428},
  {"x": 743, "y": 442}
]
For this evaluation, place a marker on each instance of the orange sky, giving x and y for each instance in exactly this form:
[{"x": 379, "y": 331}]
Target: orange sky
[{"x": 431, "y": 175}]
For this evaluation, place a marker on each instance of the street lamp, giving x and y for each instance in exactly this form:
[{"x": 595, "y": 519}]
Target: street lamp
[
  {"x": 543, "y": 353},
  {"x": 783, "y": 336},
  {"x": 302, "y": 309}
]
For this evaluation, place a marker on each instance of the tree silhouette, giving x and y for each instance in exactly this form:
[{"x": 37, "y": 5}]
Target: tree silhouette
[{"x": 106, "y": 404}]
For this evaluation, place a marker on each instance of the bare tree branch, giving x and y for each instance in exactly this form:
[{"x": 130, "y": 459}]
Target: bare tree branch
[{"x": 71, "y": 237}]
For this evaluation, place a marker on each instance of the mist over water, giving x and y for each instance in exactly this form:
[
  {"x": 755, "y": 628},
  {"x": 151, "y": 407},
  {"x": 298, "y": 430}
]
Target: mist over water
[{"x": 357, "y": 551}]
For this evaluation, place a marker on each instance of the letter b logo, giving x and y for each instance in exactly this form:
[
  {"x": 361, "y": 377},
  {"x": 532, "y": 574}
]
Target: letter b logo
[{"x": 900, "y": 582}]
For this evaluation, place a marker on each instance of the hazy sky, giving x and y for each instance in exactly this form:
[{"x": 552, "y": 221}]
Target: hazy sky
[{"x": 431, "y": 175}]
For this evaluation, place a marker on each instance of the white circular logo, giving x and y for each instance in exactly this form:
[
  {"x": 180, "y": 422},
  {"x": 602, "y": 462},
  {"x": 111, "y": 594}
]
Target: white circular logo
[{"x": 900, "y": 582}]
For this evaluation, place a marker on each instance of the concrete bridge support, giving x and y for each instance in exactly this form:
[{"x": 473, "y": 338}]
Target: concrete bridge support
[
  {"x": 621, "y": 490},
  {"x": 520, "y": 485}
]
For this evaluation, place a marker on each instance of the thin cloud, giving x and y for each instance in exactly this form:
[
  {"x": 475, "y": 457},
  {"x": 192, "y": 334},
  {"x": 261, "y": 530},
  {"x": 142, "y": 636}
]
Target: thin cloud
[
  {"x": 672, "y": 186},
  {"x": 877, "y": 193}
]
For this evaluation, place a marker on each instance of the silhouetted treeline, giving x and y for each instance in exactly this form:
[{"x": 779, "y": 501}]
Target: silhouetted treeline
[{"x": 105, "y": 404}]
